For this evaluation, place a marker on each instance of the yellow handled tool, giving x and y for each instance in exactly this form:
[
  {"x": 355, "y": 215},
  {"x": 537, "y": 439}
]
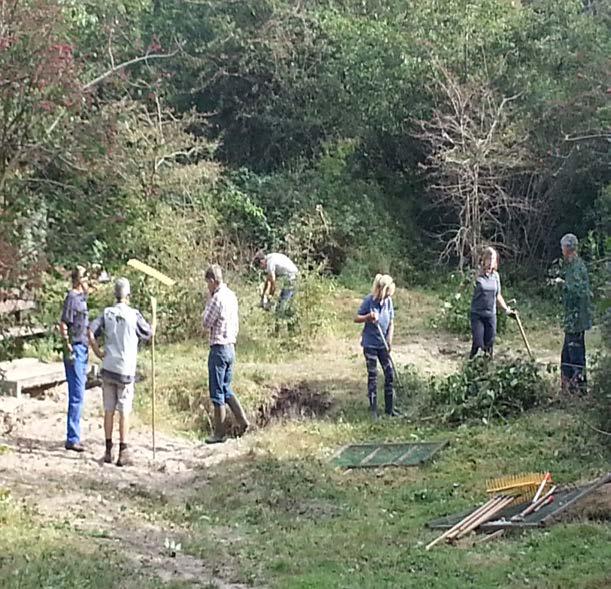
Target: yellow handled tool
[
  {"x": 530, "y": 353},
  {"x": 153, "y": 380},
  {"x": 150, "y": 271},
  {"x": 146, "y": 269}
]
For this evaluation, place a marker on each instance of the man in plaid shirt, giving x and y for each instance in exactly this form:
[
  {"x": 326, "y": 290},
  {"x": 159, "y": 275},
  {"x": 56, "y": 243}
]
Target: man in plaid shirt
[{"x": 221, "y": 320}]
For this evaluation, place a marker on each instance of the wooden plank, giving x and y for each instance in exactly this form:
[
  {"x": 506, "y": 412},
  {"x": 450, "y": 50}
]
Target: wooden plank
[
  {"x": 22, "y": 331},
  {"x": 15, "y": 306},
  {"x": 28, "y": 373}
]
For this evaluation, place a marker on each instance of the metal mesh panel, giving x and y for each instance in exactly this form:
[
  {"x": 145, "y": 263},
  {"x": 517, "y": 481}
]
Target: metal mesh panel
[{"x": 377, "y": 455}]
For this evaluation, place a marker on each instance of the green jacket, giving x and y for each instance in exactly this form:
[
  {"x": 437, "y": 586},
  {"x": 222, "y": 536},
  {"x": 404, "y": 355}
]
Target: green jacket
[{"x": 577, "y": 297}]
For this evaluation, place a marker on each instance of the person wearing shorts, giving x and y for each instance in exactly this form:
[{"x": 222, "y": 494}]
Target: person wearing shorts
[{"x": 122, "y": 328}]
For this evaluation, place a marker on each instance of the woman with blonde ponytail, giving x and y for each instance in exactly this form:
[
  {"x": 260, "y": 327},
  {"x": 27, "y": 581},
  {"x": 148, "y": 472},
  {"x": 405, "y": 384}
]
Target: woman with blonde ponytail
[{"x": 377, "y": 313}]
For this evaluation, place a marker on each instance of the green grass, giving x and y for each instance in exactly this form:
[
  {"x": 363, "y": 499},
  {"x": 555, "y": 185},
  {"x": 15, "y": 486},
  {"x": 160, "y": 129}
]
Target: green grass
[
  {"x": 285, "y": 517},
  {"x": 280, "y": 516},
  {"x": 34, "y": 555}
]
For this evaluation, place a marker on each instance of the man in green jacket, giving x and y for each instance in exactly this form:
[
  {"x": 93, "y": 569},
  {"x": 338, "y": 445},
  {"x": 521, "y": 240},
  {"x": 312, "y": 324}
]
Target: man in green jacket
[{"x": 577, "y": 316}]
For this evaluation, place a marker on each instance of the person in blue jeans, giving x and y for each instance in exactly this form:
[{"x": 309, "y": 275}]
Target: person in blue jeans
[
  {"x": 486, "y": 295},
  {"x": 221, "y": 321},
  {"x": 73, "y": 327},
  {"x": 377, "y": 313}
]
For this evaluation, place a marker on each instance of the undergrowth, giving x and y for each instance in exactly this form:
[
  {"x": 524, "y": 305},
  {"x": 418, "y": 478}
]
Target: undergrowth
[{"x": 481, "y": 390}]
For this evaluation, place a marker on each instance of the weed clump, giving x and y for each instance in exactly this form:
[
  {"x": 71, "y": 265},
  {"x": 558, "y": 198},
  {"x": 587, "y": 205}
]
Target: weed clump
[
  {"x": 484, "y": 390},
  {"x": 601, "y": 391}
]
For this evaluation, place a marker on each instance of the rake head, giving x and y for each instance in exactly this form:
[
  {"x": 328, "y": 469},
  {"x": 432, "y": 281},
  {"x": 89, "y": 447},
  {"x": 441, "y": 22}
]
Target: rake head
[{"x": 516, "y": 484}]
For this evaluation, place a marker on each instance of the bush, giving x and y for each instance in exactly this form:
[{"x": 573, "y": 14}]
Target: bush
[
  {"x": 303, "y": 319},
  {"x": 484, "y": 390},
  {"x": 601, "y": 389}
]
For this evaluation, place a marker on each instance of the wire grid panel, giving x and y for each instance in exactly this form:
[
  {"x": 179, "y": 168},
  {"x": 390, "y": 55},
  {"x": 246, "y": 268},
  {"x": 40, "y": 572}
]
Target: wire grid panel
[{"x": 375, "y": 455}]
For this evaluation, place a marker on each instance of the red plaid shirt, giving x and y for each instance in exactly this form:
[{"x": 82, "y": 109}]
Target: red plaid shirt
[{"x": 221, "y": 316}]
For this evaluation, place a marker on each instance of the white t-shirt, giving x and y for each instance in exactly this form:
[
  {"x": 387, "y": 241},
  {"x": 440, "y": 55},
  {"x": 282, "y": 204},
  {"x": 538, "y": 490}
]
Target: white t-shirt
[{"x": 281, "y": 265}]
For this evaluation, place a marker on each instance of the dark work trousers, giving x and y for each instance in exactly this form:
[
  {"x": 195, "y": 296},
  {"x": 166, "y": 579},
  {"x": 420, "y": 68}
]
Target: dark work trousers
[
  {"x": 484, "y": 332},
  {"x": 573, "y": 362},
  {"x": 372, "y": 355}
]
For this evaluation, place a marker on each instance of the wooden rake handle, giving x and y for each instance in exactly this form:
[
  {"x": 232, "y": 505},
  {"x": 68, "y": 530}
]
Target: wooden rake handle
[{"x": 523, "y": 334}]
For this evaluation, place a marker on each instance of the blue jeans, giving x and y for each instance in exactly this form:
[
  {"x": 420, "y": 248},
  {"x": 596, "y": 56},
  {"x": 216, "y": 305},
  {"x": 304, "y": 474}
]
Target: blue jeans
[
  {"x": 220, "y": 372},
  {"x": 76, "y": 375},
  {"x": 484, "y": 333}
]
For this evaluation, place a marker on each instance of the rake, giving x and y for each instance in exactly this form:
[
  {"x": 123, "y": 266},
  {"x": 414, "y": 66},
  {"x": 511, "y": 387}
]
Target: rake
[{"x": 527, "y": 484}]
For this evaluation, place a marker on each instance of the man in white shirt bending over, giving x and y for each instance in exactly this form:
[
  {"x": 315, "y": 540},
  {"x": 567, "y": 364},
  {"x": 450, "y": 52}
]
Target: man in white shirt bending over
[{"x": 277, "y": 266}]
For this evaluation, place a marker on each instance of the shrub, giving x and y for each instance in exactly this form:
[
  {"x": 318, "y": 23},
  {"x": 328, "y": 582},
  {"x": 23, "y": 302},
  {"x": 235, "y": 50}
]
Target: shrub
[
  {"x": 601, "y": 389},
  {"x": 484, "y": 390},
  {"x": 307, "y": 316}
]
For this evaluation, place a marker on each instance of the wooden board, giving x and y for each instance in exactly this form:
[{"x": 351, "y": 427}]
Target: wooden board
[
  {"x": 22, "y": 331},
  {"x": 16, "y": 306},
  {"x": 25, "y": 373}
]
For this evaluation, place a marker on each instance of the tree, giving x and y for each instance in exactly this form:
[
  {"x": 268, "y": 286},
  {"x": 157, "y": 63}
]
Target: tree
[{"x": 476, "y": 152}]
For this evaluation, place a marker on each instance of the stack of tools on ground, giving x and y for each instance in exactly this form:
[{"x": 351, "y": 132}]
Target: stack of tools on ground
[{"x": 513, "y": 490}]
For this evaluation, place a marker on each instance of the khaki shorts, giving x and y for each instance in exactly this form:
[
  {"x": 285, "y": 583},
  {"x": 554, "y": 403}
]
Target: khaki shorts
[{"x": 117, "y": 396}]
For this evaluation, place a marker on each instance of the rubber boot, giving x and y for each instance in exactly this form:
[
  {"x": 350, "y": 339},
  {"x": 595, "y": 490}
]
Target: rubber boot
[
  {"x": 218, "y": 436},
  {"x": 389, "y": 405},
  {"x": 373, "y": 407},
  {"x": 239, "y": 414}
]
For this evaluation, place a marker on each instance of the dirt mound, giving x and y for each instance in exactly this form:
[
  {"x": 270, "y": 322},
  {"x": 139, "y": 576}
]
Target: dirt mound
[
  {"x": 594, "y": 507},
  {"x": 294, "y": 402}
]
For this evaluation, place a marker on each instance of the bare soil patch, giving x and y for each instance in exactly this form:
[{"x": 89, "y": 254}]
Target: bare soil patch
[
  {"x": 595, "y": 507},
  {"x": 300, "y": 401},
  {"x": 103, "y": 502}
]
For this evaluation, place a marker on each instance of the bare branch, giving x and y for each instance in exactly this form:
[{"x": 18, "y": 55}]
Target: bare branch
[{"x": 125, "y": 64}]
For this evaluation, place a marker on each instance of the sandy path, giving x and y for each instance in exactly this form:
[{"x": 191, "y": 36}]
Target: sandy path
[{"x": 101, "y": 501}]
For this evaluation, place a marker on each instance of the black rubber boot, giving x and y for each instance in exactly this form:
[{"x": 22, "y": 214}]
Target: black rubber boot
[
  {"x": 389, "y": 405},
  {"x": 373, "y": 407}
]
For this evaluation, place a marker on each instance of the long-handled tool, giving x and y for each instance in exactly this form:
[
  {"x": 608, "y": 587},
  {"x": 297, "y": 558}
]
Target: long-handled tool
[
  {"x": 474, "y": 519},
  {"x": 523, "y": 334},
  {"x": 153, "y": 379},
  {"x": 149, "y": 271},
  {"x": 516, "y": 316},
  {"x": 392, "y": 364}
]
